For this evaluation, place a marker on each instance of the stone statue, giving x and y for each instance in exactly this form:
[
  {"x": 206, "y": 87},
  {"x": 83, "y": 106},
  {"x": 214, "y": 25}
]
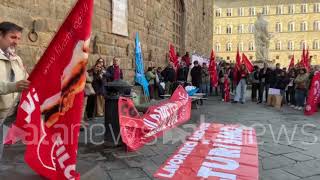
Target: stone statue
[{"x": 262, "y": 38}]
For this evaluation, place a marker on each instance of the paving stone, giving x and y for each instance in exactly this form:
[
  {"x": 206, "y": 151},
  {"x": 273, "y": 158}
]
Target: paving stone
[
  {"x": 144, "y": 178},
  {"x": 298, "y": 156},
  {"x": 277, "y": 174},
  {"x": 113, "y": 165},
  {"x": 95, "y": 173},
  {"x": 123, "y": 174},
  {"x": 304, "y": 169},
  {"x": 159, "y": 159},
  {"x": 278, "y": 149},
  {"x": 312, "y": 178},
  {"x": 264, "y": 154},
  {"x": 276, "y": 162},
  {"x": 146, "y": 151}
]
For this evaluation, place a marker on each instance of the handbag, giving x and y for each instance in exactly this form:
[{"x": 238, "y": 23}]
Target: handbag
[{"x": 88, "y": 89}]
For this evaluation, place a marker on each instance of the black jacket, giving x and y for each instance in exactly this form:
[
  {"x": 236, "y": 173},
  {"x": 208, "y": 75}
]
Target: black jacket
[
  {"x": 266, "y": 75},
  {"x": 196, "y": 75},
  {"x": 182, "y": 74},
  {"x": 282, "y": 82},
  {"x": 168, "y": 74},
  {"x": 275, "y": 75},
  {"x": 109, "y": 75}
]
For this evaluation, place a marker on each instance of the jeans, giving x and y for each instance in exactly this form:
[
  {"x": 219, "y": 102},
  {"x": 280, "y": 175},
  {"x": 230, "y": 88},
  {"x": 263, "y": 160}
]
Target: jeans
[
  {"x": 205, "y": 88},
  {"x": 241, "y": 91},
  {"x": 300, "y": 97},
  {"x": 290, "y": 96},
  {"x": 263, "y": 87},
  {"x": 222, "y": 90},
  {"x": 255, "y": 88}
]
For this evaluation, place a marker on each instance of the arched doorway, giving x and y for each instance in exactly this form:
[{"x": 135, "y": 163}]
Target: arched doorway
[{"x": 177, "y": 25}]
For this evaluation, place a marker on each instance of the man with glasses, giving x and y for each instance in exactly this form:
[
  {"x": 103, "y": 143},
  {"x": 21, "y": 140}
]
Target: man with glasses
[{"x": 12, "y": 74}]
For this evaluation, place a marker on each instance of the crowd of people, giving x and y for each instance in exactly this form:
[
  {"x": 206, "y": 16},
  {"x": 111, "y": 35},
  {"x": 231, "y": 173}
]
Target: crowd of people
[{"x": 293, "y": 83}]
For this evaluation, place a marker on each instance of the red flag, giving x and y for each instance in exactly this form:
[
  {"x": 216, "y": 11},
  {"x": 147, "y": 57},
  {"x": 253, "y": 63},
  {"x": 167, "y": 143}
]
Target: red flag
[
  {"x": 314, "y": 95},
  {"x": 51, "y": 109},
  {"x": 247, "y": 63},
  {"x": 173, "y": 56},
  {"x": 307, "y": 61},
  {"x": 237, "y": 68},
  {"x": 291, "y": 65},
  {"x": 213, "y": 70},
  {"x": 226, "y": 89}
]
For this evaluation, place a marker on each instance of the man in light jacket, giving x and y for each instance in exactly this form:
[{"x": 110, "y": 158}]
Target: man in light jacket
[{"x": 12, "y": 74}]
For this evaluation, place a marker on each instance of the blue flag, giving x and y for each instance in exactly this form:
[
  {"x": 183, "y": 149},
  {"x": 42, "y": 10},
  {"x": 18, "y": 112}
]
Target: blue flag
[{"x": 140, "y": 77}]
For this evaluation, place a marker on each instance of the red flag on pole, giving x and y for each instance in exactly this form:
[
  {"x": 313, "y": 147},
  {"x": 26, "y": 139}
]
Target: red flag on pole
[
  {"x": 237, "y": 68},
  {"x": 291, "y": 65},
  {"x": 307, "y": 61},
  {"x": 247, "y": 63},
  {"x": 51, "y": 109},
  {"x": 303, "y": 57},
  {"x": 173, "y": 56},
  {"x": 314, "y": 95},
  {"x": 213, "y": 70}
]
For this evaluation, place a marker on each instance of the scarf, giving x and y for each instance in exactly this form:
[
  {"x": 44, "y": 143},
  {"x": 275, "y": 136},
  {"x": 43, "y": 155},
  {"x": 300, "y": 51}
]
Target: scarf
[{"x": 116, "y": 75}]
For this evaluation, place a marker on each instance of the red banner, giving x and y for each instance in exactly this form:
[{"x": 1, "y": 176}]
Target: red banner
[
  {"x": 314, "y": 95},
  {"x": 247, "y": 63},
  {"x": 215, "y": 151},
  {"x": 213, "y": 70},
  {"x": 138, "y": 130},
  {"x": 51, "y": 109}
]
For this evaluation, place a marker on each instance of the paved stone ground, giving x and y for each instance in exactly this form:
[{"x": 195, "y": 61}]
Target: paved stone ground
[{"x": 289, "y": 146}]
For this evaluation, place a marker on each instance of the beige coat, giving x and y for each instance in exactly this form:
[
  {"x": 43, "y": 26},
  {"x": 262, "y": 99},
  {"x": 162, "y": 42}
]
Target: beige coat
[{"x": 8, "y": 91}]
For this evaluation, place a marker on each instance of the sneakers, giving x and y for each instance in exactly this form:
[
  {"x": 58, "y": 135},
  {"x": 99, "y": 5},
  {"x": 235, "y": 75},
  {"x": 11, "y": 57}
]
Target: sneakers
[
  {"x": 222, "y": 100},
  {"x": 296, "y": 107},
  {"x": 300, "y": 108},
  {"x": 292, "y": 106}
]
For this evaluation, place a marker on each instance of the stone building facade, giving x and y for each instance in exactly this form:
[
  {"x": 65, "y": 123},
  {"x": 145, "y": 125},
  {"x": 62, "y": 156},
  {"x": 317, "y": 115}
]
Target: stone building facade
[
  {"x": 292, "y": 24},
  {"x": 188, "y": 24}
]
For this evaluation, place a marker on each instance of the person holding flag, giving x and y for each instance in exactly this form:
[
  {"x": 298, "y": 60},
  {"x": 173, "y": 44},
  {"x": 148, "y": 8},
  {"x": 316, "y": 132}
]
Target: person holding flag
[
  {"x": 224, "y": 79},
  {"x": 12, "y": 74},
  {"x": 242, "y": 85},
  {"x": 213, "y": 71},
  {"x": 54, "y": 99}
]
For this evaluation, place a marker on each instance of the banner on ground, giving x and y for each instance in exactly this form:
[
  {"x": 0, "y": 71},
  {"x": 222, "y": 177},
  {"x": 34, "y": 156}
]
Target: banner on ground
[
  {"x": 314, "y": 95},
  {"x": 138, "y": 130},
  {"x": 51, "y": 109},
  {"x": 215, "y": 151}
]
